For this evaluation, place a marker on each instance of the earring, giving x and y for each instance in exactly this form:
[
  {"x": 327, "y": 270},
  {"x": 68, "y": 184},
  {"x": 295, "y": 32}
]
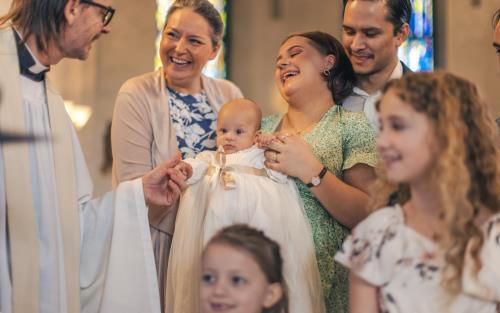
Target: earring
[{"x": 326, "y": 73}]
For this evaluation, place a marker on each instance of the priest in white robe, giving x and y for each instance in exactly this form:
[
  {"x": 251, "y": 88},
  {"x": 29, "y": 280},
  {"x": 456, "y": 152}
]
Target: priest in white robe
[{"x": 61, "y": 251}]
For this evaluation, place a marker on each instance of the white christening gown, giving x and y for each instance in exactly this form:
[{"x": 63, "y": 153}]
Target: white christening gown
[{"x": 237, "y": 188}]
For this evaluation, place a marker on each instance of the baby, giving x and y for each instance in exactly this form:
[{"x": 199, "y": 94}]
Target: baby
[
  {"x": 238, "y": 127},
  {"x": 232, "y": 185}
]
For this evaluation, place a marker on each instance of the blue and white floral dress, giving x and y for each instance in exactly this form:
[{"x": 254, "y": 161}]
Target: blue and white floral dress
[{"x": 194, "y": 122}]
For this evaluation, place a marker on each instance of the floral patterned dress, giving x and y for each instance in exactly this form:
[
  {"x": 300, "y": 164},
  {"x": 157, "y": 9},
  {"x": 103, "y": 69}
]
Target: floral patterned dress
[
  {"x": 340, "y": 140},
  {"x": 407, "y": 266},
  {"x": 194, "y": 122}
]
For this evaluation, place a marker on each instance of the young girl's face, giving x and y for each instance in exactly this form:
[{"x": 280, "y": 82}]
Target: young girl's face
[
  {"x": 405, "y": 142},
  {"x": 232, "y": 282},
  {"x": 236, "y": 129}
]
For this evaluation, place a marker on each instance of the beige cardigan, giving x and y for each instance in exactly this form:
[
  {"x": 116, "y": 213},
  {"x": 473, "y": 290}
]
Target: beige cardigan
[{"x": 142, "y": 135}]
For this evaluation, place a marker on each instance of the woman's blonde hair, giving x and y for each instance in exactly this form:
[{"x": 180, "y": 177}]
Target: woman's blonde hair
[{"x": 467, "y": 162}]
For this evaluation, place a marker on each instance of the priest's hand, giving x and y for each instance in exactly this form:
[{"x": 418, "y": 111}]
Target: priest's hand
[
  {"x": 163, "y": 185},
  {"x": 185, "y": 168}
]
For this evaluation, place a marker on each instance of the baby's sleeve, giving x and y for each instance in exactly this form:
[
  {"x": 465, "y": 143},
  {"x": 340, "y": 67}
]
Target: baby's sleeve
[
  {"x": 276, "y": 176},
  {"x": 373, "y": 249},
  {"x": 200, "y": 165}
]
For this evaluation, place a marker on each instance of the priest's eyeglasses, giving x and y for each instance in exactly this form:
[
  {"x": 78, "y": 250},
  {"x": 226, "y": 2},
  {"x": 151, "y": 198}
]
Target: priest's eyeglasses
[{"x": 108, "y": 11}]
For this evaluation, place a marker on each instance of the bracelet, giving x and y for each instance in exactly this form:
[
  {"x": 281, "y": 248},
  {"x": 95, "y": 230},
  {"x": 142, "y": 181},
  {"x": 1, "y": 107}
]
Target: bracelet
[{"x": 316, "y": 180}]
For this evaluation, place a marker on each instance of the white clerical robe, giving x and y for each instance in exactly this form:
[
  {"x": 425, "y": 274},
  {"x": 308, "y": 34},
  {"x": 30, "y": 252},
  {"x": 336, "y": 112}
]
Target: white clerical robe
[{"x": 60, "y": 251}]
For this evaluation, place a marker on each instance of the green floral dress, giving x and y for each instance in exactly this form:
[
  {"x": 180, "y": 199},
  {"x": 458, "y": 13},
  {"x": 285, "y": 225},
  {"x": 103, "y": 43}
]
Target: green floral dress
[{"x": 339, "y": 141}]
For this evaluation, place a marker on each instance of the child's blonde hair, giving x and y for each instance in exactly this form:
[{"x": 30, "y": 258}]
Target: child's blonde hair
[
  {"x": 264, "y": 251},
  {"x": 467, "y": 161}
]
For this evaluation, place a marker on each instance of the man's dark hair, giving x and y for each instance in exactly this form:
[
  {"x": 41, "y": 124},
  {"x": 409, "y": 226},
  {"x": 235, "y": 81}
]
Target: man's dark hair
[
  {"x": 44, "y": 19},
  {"x": 399, "y": 12}
]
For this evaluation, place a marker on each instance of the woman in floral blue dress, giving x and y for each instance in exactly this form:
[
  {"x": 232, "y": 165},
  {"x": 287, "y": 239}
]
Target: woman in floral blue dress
[
  {"x": 329, "y": 151},
  {"x": 172, "y": 109}
]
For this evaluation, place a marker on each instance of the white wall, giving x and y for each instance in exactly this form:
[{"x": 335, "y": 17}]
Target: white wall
[
  {"x": 466, "y": 47},
  {"x": 4, "y": 6}
]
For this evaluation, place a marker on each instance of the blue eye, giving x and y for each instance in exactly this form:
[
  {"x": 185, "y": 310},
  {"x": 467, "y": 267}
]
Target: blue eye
[
  {"x": 238, "y": 280},
  {"x": 208, "y": 278},
  {"x": 223, "y": 130},
  {"x": 195, "y": 41},
  {"x": 171, "y": 34},
  {"x": 239, "y": 131}
]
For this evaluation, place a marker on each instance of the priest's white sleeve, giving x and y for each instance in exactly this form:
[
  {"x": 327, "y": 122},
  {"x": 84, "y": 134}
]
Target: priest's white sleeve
[{"x": 117, "y": 269}]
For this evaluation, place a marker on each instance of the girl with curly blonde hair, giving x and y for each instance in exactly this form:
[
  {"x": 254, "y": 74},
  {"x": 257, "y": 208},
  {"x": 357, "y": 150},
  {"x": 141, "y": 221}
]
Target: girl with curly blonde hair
[{"x": 437, "y": 248}]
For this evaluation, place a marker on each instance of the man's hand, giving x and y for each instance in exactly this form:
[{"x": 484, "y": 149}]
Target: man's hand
[{"x": 163, "y": 185}]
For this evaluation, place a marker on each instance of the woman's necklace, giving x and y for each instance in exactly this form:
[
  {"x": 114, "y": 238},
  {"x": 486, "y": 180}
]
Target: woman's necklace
[{"x": 299, "y": 131}]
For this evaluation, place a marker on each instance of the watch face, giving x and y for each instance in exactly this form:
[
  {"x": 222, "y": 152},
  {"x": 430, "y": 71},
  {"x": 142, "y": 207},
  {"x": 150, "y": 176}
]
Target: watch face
[{"x": 315, "y": 181}]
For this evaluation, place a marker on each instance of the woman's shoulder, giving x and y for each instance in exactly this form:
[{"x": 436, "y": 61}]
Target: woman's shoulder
[
  {"x": 352, "y": 118},
  {"x": 222, "y": 86},
  {"x": 347, "y": 120},
  {"x": 223, "y": 83},
  {"x": 147, "y": 82},
  {"x": 380, "y": 220},
  {"x": 355, "y": 128}
]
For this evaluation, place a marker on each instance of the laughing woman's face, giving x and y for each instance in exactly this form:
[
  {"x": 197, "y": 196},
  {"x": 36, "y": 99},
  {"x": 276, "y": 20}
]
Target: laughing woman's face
[{"x": 185, "y": 48}]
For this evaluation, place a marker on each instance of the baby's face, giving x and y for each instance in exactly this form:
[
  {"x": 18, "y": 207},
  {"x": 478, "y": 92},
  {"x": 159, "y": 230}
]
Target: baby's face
[{"x": 236, "y": 130}]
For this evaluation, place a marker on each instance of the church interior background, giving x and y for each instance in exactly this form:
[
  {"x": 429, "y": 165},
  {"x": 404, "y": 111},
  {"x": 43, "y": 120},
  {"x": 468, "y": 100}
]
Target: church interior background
[{"x": 455, "y": 35}]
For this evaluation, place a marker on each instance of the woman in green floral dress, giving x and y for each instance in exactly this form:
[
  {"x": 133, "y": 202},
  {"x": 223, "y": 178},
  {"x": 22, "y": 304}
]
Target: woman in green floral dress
[{"x": 329, "y": 151}]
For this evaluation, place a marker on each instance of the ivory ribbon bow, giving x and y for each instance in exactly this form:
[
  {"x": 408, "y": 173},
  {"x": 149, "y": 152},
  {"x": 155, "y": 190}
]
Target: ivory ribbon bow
[{"x": 226, "y": 173}]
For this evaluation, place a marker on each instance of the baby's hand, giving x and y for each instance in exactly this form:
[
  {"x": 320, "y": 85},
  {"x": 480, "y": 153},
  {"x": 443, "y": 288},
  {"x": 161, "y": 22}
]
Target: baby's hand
[
  {"x": 185, "y": 169},
  {"x": 264, "y": 140}
]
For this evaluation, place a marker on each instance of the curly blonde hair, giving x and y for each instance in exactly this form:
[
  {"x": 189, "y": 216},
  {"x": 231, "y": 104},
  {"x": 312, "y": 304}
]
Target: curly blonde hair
[{"x": 467, "y": 162}]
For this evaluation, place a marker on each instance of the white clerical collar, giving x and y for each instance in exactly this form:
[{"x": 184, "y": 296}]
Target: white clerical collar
[{"x": 37, "y": 67}]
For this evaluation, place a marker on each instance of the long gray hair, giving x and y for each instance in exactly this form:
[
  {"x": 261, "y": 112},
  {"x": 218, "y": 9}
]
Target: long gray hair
[{"x": 44, "y": 19}]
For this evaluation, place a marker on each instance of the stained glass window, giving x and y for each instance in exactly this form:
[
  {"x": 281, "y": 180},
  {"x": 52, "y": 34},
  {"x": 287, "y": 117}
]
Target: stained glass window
[
  {"x": 418, "y": 51},
  {"x": 215, "y": 68}
]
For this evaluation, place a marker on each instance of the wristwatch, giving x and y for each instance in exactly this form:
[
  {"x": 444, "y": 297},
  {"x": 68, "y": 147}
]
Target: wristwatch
[{"x": 317, "y": 179}]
